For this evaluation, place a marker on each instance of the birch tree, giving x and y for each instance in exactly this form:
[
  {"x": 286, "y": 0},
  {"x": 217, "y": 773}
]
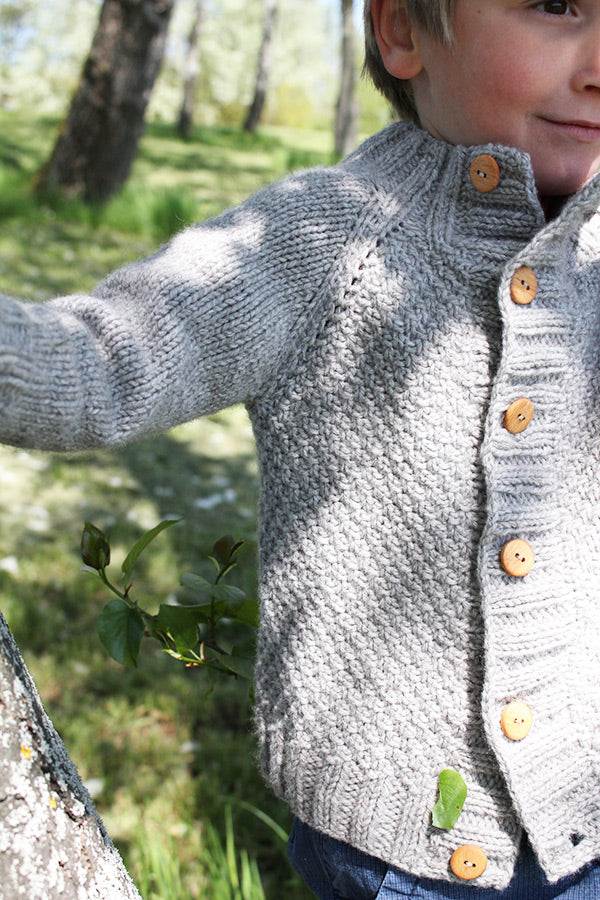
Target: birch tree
[
  {"x": 191, "y": 70},
  {"x": 263, "y": 69},
  {"x": 346, "y": 109}
]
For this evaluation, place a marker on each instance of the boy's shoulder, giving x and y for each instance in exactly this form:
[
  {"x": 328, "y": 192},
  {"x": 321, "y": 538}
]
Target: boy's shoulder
[
  {"x": 377, "y": 168},
  {"x": 385, "y": 156},
  {"x": 319, "y": 207},
  {"x": 389, "y": 156}
]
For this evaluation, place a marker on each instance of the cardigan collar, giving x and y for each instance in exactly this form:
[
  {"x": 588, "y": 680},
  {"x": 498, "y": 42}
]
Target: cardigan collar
[{"x": 408, "y": 162}]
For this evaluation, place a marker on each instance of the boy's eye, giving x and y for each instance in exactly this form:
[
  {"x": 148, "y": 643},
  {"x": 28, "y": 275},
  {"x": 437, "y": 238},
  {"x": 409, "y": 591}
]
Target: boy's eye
[{"x": 555, "y": 7}]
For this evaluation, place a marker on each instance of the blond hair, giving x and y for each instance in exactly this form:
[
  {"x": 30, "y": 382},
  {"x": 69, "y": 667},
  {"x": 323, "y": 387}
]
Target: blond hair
[{"x": 435, "y": 16}]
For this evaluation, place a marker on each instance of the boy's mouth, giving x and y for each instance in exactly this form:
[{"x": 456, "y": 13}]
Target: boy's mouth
[{"x": 580, "y": 129}]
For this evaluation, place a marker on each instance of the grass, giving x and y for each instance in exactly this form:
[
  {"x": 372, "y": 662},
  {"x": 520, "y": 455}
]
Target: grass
[
  {"x": 168, "y": 755},
  {"x": 230, "y": 873},
  {"x": 60, "y": 245}
]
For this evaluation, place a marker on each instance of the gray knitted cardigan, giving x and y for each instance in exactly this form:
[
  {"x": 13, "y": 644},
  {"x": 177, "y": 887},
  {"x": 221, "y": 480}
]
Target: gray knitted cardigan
[{"x": 363, "y": 314}]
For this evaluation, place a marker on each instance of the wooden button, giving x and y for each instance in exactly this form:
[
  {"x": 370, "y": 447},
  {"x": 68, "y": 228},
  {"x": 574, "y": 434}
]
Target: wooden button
[
  {"x": 468, "y": 862},
  {"x": 518, "y": 415},
  {"x": 517, "y": 558},
  {"x": 516, "y": 720},
  {"x": 485, "y": 173},
  {"x": 523, "y": 286}
]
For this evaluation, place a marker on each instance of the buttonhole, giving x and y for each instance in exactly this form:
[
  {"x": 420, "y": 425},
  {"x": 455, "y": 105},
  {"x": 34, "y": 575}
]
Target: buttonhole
[
  {"x": 576, "y": 838},
  {"x": 481, "y": 174},
  {"x": 469, "y": 864}
]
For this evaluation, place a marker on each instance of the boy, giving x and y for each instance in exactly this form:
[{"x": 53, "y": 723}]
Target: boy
[{"x": 418, "y": 348}]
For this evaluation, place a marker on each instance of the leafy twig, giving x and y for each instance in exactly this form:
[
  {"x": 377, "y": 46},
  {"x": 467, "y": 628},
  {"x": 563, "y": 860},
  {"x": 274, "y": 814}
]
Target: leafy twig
[{"x": 186, "y": 633}]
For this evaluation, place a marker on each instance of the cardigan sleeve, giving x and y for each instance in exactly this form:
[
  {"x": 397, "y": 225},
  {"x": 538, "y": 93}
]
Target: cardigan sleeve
[{"x": 198, "y": 326}]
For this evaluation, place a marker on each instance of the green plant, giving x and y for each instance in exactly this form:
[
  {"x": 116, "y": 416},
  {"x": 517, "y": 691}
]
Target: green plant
[
  {"x": 197, "y": 634},
  {"x": 229, "y": 878},
  {"x": 219, "y": 869},
  {"x": 159, "y": 874}
]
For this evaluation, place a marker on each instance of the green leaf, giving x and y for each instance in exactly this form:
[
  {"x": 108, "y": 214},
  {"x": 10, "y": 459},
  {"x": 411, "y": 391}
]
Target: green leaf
[
  {"x": 196, "y": 583},
  {"x": 121, "y": 629},
  {"x": 452, "y": 795},
  {"x": 222, "y": 549},
  {"x": 224, "y": 554},
  {"x": 181, "y": 623},
  {"x": 239, "y": 666},
  {"x": 233, "y": 597},
  {"x": 241, "y": 660},
  {"x": 249, "y": 613},
  {"x": 138, "y": 548},
  {"x": 247, "y": 650},
  {"x": 281, "y": 833},
  {"x": 95, "y": 549}
]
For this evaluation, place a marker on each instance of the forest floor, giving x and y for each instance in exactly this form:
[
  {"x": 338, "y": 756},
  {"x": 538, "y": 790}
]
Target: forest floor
[{"x": 167, "y": 754}]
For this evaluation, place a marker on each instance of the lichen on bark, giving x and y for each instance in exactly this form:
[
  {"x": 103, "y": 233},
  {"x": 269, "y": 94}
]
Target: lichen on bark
[{"x": 52, "y": 841}]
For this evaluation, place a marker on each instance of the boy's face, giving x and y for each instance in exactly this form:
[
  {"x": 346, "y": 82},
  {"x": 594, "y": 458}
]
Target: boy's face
[{"x": 519, "y": 73}]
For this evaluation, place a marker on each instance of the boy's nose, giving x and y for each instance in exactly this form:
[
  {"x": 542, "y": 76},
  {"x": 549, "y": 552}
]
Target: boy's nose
[{"x": 587, "y": 75}]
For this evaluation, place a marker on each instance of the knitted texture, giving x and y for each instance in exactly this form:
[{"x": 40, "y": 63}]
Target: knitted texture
[{"x": 363, "y": 314}]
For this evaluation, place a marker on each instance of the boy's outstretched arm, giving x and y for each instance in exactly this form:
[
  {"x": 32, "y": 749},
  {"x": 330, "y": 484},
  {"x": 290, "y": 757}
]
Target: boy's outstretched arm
[{"x": 201, "y": 324}]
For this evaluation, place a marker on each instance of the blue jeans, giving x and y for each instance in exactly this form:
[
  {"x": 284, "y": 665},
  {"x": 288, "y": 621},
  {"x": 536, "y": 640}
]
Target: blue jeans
[{"x": 336, "y": 871}]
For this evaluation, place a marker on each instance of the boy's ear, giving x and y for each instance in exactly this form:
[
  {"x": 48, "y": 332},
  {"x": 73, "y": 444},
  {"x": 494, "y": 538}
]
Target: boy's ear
[{"x": 396, "y": 38}]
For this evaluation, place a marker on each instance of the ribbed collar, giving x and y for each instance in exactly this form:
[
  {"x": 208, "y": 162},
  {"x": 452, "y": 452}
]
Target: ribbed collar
[{"x": 405, "y": 160}]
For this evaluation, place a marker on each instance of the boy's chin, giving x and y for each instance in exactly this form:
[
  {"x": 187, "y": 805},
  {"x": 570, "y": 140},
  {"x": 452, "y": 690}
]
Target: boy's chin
[{"x": 563, "y": 184}]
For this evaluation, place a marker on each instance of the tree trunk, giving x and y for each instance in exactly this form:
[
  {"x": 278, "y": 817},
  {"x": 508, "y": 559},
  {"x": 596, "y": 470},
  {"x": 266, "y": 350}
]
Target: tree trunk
[
  {"x": 52, "y": 841},
  {"x": 190, "y": 74},
  {"x": 346, "y": 111},
  {"x": 93, "y": 155},
  {"x": 264, "y": 67}
]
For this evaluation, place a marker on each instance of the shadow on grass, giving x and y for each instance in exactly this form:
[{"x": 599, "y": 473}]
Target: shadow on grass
[{"x": 216, "y": 495}]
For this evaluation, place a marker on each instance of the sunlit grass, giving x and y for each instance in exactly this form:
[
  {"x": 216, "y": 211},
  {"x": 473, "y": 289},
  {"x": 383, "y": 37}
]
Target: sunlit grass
[
  {"x": 217, "y": 870},
  {"x": 55, "y": 244}
]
